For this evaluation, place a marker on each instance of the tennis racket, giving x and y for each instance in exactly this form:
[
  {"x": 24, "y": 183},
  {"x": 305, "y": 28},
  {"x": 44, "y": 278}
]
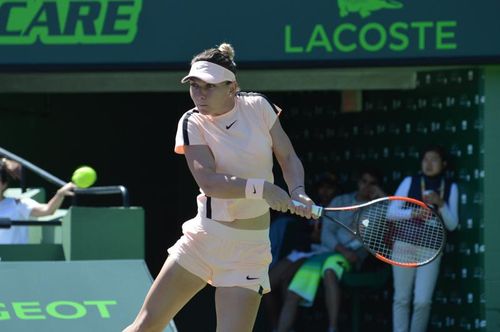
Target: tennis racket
[{"x": 397, "y": 230}]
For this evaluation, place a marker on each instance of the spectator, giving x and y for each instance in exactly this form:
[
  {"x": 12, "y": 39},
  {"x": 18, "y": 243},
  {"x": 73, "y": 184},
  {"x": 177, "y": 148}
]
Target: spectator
[
  {"x": 22, "y": 209},
  {"x": 434, "y": 188},
  {"x": 339, "y": 252},
  {"x": 306, "y": 237}
]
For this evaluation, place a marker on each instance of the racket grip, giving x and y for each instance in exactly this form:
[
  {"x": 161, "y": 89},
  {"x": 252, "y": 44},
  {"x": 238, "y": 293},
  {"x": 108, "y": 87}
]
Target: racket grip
[{"x": 316, "y": 210}]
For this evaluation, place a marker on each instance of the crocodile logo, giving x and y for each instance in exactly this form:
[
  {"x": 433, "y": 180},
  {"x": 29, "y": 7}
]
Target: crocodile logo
[{"x": 366, "y": 7}]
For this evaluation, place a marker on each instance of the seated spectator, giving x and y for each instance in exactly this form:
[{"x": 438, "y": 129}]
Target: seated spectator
[
  {"x": 22, "y": 209},
  {"x": 306, "y": 233},
  {"x": 339, "y": 252}
]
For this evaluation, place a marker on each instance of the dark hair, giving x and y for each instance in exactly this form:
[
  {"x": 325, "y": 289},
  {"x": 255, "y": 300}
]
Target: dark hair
[
  {"x": 373, "y": 171},
  {"x": 4, "y": 175},
  {"x": 327, "y": 178},
  {"x": 7, "y": 175},
  {"x": 223, "y": 56},
  {"x": 439, "y": 149}
]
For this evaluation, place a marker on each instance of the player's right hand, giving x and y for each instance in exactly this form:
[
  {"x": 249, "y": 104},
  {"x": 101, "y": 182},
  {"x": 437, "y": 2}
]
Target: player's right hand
[{"x": 276, "y": 197}]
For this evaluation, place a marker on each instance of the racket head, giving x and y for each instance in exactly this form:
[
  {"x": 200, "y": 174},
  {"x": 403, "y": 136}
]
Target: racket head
[{"x": 401, "y": 231}]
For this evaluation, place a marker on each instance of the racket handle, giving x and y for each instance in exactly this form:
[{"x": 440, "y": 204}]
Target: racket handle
[{"x": 316, "y": 210}]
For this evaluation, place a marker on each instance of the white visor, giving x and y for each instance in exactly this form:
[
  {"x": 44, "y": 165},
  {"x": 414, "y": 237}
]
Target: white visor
[{"x": 209, "y": 72}]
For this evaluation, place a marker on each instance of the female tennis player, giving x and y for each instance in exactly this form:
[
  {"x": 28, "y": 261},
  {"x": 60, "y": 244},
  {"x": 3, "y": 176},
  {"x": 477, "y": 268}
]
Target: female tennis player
[{"x": 228, "y": 139}]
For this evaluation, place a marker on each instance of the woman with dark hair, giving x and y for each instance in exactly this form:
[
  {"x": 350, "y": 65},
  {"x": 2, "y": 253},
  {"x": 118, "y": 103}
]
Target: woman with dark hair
[
  {"x": 19, "y": 209},
  {"x": 228, "y": 140},
  {"x": 434, "y": 188}
]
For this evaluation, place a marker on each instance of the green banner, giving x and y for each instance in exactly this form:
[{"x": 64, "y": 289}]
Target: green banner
[
  {"x": 72, "y": 296},
  {"x": 166, "y": 34},
  {"x": 68, "y": 22}
]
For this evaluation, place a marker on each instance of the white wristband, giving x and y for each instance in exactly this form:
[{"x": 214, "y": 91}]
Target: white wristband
[{"x": 254, "y": 188}]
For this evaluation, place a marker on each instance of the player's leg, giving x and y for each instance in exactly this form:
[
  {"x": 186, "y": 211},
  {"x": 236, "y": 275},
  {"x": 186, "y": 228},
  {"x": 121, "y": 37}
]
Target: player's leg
[
  {"x": 236, "y": 308},
  {"x": 171, "y": 290}
]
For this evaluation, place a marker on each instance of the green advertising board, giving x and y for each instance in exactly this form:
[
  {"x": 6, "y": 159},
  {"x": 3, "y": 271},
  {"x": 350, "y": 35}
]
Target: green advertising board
[
  {"x": 98, "y": 296},
  {"x": 166, "y": 34}
]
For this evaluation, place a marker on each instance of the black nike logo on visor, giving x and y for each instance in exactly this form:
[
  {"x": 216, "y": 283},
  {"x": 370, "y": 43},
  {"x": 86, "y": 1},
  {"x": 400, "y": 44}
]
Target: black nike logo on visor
[
  {"x": 231, "y": 124},
  {"x": 250, "y": 278}
]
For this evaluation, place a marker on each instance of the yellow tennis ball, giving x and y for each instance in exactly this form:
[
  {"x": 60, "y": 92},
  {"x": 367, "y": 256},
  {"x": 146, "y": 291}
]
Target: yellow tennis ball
[{"x": 84, "y": 176}]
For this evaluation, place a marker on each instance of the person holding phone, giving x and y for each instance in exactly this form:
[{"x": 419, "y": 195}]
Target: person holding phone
[{"x": 434, "y": 188}]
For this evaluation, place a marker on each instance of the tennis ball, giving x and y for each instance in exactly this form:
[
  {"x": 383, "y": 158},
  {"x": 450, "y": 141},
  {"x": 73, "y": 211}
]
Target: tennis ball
[{"x": 84, "y": 176}]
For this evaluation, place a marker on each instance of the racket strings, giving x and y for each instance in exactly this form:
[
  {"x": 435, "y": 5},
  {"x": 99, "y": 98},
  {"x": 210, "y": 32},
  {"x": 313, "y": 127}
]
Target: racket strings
[{"x": 401, "y": 231}]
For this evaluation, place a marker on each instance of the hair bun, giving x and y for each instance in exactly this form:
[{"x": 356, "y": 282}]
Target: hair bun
[{"x": 227, "y": 50}]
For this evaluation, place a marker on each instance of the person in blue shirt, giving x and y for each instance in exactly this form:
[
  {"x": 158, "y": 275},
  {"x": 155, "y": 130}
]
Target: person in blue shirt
[{"x": 339, "y": 252}]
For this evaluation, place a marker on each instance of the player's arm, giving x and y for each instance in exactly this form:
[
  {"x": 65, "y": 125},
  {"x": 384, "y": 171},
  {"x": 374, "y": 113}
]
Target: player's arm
[
  {"x": 291, "y": 166},
  {"x": 55, "y": 203},
  {"x": 201, "y": 163}
]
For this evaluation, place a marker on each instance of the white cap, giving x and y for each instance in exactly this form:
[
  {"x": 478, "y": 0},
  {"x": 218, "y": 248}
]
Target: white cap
[{"x": 209, "y": 72}]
